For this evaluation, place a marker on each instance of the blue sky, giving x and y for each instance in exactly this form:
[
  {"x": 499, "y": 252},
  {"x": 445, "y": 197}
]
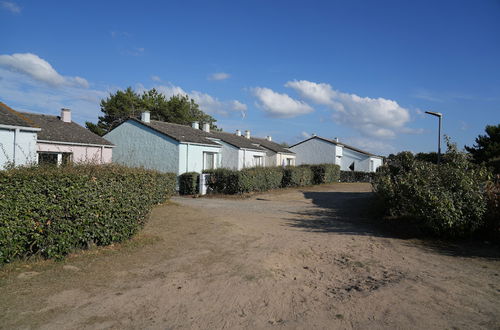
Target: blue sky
[{"x": 363, "y": 71}]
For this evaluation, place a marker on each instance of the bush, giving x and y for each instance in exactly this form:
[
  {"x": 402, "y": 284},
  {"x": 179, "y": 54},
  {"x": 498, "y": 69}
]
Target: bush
[
  {"x": 50, "y": 211},
  {"x": 297, "y": 176},
  {"x": 189, "y": 183},
  {"x": 492, "y": 223},
  {"x": 356, "y": 176},
  {"x": 227, "y": 181},
  {"x": 325, "y": 173},
  {"x": 447, "y": 199}
]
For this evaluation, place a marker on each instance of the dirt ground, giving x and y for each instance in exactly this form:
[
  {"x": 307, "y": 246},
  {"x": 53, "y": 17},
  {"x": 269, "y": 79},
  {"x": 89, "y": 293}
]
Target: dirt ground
[{"x": 308, "y": 258}]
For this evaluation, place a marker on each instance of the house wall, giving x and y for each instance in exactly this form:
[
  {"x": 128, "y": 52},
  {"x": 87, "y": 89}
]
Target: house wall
[
  {"x": 229, "y": 155},
  {"x": 141, "y": 146},
  {"x": 81, "y": 154},
  {"x": 24, "y": 150},
  {"x": 281, "y": 159},
  {"x": 361, "y": 161},
  {"x": 191, "y": 157},
  {"x": 245, "y": 158},
  {"x": 314, "y": 151}
]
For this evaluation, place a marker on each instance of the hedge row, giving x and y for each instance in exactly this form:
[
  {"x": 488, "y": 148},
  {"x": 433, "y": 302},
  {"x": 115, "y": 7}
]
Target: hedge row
[
  {"x": 189, "y": 183},
  {"x": 225, "y": 181},
  {"x": 356, "y": 176},
  {"x": 50, "y": 211}
]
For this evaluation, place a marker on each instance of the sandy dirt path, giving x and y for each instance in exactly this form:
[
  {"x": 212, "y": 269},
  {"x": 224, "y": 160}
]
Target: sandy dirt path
[{"x": 297, "y": 259}]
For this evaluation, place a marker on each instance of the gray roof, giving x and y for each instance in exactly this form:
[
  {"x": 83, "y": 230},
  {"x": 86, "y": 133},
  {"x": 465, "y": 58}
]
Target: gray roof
[
  {"x": 273, "y": 146},
  {"x": 337, "y": 143},
  {"x": 235, "y": 140},
  {"x": 9, "y": 116},
  {"x": 181, "y": 133},
  {"x": 54, "y": 129}
]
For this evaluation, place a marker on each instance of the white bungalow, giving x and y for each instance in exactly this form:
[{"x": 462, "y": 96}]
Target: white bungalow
[{"x": 318, "y": 150}]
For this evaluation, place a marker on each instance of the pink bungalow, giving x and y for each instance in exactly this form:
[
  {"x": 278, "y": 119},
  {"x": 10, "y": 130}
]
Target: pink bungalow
[{"x": 61, "y": 141}]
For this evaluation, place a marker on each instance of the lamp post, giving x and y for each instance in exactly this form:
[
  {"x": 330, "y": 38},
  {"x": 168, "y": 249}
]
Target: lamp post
[{"x": 440, "y": 116}]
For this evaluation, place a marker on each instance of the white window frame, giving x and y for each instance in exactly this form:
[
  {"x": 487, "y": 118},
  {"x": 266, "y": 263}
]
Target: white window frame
[{"x": 214, "y": 160}]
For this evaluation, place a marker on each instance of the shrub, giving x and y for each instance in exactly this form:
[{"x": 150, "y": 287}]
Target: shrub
[
  {"x": 189, "y": 183},
  {"x": 325, "y": 173},
  {"x": 356, "y": 176},
  {"x": 447, "y": 199},
  {"x": 227, "y": 181},
  {"x": 50, "y": 211},
  {"x": 492, "y": 223},
  {"x": 297, "y": 176}
]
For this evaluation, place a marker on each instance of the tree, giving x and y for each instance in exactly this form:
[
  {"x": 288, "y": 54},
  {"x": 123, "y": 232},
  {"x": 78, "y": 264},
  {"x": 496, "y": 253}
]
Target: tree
[
  {"x": 179, "y": 109},
  {"x": 486, "y": 150}
]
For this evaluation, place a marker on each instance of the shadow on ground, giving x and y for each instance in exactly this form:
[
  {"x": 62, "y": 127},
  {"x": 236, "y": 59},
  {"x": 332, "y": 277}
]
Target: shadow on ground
[{"x": 358, "y": 213}]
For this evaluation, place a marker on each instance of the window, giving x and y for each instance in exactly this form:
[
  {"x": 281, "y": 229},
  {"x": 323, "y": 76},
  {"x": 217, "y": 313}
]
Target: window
[
  {"x": 289, "y": 161},
  {"x": 258, "y": 161},
  {"x": 209, "y": 160},
  {"x": 55, "y": 158}
]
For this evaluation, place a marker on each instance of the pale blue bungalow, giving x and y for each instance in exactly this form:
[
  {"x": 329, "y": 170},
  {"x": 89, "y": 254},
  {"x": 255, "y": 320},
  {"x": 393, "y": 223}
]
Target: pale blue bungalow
[{"x": 162, "y": 146}]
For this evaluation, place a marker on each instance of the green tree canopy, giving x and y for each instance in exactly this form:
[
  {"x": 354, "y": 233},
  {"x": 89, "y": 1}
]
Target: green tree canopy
[
  {"x": 179, "y": 109},
  {"x": 486, "y": 150}
]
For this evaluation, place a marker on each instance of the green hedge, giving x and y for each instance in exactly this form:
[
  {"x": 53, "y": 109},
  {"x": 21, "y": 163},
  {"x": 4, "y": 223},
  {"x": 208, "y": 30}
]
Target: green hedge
[
  {"x": 448, "y": 199},
  {"x": 297, "y": 176},
  {"x": 356, "y": 176},
  {"x": 189, "y": 183},
  {"x": 227, "y": 181},
  {"x": 325, "y": 173},
  {"x": 50, "y": 211}
]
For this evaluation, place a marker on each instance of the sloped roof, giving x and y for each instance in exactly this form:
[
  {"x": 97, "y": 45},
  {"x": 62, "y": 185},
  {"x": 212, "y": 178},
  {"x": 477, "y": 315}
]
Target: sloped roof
[
  {"x": 235, "y": 140},
  {"x": 273, "y": 146},
  {"x": 181, "y": 133},
  {"x": 9, "y": 116},
  {"x": 338, "y": 143},
  {"x": 54, "y": 129}
]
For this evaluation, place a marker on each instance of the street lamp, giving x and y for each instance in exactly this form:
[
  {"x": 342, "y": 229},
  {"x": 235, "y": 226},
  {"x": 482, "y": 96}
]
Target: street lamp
[{"x": 440, "y": 116}]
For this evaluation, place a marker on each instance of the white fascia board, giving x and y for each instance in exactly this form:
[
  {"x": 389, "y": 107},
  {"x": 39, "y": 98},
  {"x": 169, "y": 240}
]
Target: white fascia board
[
  {"x": 77, "y": 144},
  {"x": 202, "y": 144},
  {"x": 23, "y": 128}
]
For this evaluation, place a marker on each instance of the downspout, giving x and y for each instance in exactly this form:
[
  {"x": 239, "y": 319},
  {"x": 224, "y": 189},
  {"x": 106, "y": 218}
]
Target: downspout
[
  {"x": 16, "y": 132},
  {"x": 102, "y": 155},
  {"x": 244, "y": 157},
  {"x": 187, "y": 157}
]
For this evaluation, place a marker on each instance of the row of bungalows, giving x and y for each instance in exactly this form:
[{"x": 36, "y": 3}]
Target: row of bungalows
[
  {"x": 176, "y": 148},
  {"x": 29, "y": 138}
]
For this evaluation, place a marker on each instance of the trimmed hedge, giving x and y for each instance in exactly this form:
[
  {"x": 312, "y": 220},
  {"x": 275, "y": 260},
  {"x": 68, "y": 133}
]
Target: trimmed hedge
[
  {"x": 297, "y": 176},
  {"x": 189, "y": 183},
  {"x": 50, "y": 211},
  {"x": 225, "y": 181},
  {"x": 356, "y": 176},
  {"x": 325, "y": 173}
]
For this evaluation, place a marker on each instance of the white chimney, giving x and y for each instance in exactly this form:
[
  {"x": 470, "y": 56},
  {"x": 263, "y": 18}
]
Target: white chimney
[
  {"x": 238, "y": 132},
  {"x": 66, "y": 115},
  {"x": 145, "y": 116},
  {"x": 206, "y": 127},
  {"x": 336, "y": 139},
  {"x": 269, "y": 138},
  {"x": 313, "y": 134},
  {"x": 247, "y": 134},
  {"x": 195, "y": 125}
]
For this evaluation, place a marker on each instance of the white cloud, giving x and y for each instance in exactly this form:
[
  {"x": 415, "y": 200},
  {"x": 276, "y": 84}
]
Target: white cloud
[
  {"x": 376, "y": 117},
  {"x": 370, "y": 145},
  {"x": 10, "y": 6},
  {"x": 280, "y": 105},
  {"x": 219, "y": 76},
  {"x": 155, "y": 78},
  {"x": 208, "y": 103},
  {"x": 305, "y": 135},
  {"x": 39, "y": 69}
]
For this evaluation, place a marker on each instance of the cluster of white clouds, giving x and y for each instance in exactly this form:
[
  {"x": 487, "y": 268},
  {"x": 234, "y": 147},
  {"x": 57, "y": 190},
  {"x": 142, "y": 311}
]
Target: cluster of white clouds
[
  {"x": 10, "y": 6},
  {"x": 219, "y": 76},
  {"x": 373, "y": 117},
  {"x": 33, "y": 82},
  {"x": 38, "y": 69}
]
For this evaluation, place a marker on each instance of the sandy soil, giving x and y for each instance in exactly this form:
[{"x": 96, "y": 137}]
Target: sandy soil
[{"x": 295, "y": 259}]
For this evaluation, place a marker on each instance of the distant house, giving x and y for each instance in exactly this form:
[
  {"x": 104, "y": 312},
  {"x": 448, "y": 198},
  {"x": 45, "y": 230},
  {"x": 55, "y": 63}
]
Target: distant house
[
  {"x": 35, "y": 138},
  {"x": 17, "y": 138},
  {"x": 276, "y": 154},
  {"x": 162, "y": 146},
  {"x": 239, "y": 152},
  {"x": 317, "y": 150}
]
